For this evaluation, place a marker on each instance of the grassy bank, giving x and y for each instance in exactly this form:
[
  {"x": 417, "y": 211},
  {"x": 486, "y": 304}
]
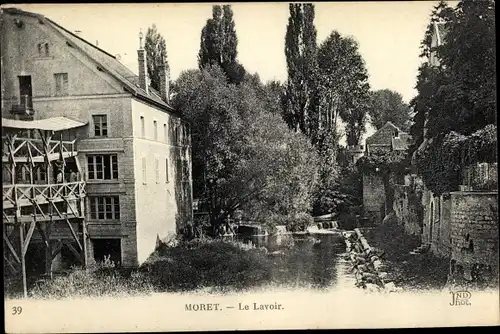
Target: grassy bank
[
  {"x": 410, "y": 272},
  {"x": 216, "y": 265}
]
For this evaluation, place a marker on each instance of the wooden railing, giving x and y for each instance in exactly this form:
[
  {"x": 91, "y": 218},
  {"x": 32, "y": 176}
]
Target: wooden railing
[
  {"x": 24, "y": 147},
  {"x": 26, "y": 194}
]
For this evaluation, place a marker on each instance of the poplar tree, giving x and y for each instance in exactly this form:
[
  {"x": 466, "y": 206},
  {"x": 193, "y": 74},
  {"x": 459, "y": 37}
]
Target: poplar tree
[
  {"x": 218, "y": 45},
  {"x": 156, "y": 55},
  {"x": 301, "y": 101}
]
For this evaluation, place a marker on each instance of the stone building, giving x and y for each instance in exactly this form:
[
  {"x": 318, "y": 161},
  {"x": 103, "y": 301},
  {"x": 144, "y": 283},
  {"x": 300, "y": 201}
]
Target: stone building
[
  {"x": 388, "y": 138},
  {"x": 132, "y": 150}
]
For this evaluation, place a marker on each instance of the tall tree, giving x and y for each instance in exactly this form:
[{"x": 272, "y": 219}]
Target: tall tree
[
  {"x": 218, "y": 45},
  {"x": 244, "y": 157},
  {"x": 301, "y": 95},
  {"x": 387, "y": 105},
  {"x": 456, "y": 99},
  {"x": 156, "y": 55},
  {"x": 458, "y": 94},
  {"x": 343, "y": 86}
]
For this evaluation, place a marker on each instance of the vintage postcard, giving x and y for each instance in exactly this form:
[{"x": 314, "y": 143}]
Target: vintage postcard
[{"x": 242, "y": 166}]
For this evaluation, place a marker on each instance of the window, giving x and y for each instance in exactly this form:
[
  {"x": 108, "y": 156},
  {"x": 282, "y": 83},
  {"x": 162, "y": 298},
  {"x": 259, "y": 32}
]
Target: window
[
  {"x": 176, "y": 135},
  {"x": 43, "y": 49},
  {"x": 157, "y": 170},
  {"x": 144, "y": 170},
  {"x": 100, "y": 125},
  {"x": 166, "y": 171},
  {"x": 107, "y": 207},
  {"x": 165, "y": 134},
  {"x": 102, "y": 167},
  {"x": 61, "y": 84},
  {"x": 155, "y": 130},
  {"x": 143, "y": 129}
]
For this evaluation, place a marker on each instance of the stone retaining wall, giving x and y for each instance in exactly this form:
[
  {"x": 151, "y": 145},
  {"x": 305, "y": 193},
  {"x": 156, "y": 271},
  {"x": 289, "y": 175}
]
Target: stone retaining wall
[{"x": 366, "y": 263}]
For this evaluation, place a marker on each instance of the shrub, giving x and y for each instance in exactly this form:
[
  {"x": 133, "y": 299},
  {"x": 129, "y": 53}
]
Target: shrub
[
  {"x": 202, "y": 263},
  {"x": 101, "y": 279}
]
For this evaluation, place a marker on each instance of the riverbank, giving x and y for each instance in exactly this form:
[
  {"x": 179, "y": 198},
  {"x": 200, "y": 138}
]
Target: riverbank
[
  {"x": 411, "y": 272},
  {"x": 215, "y": 265}
]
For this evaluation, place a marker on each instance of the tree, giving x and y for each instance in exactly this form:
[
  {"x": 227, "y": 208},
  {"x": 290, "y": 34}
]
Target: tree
[
  {"x": 343, "y": 85},
  {"x": 219, "y": 43},
  {"x": 456, "y": 98},
  {"x": 156, "y": 55},
  {"x": 301, "y": 93},
  {"x": 244, "y": 157},
  {"x": 468, "y": 96},
  {"x": 387, "y": 105}
]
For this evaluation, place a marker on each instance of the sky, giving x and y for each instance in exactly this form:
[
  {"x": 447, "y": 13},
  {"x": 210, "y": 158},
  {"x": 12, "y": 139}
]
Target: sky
[{"x": 388, "y": 33}]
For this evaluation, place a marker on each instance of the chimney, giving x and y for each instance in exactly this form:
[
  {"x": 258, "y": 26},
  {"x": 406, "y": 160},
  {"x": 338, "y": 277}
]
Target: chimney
[
  {"x": 164, "y": 86},
  {"x": 143, "y": 70}
]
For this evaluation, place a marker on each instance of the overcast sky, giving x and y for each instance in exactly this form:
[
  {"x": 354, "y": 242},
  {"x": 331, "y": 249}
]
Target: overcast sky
[{"x": 389, "y": 33}]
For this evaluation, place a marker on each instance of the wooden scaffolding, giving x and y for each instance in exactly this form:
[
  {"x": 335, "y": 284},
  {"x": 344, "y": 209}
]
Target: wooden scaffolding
[{"x": 37, "y": 195}]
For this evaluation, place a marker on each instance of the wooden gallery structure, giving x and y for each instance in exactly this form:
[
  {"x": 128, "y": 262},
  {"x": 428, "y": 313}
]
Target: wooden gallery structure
[{"x": 43, "y": 196}]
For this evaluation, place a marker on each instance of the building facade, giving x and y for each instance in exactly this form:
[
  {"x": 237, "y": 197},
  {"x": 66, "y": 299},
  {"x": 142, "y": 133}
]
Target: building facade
[
  {"x": 134, "y": 151},
  {"x": 388, "y": 138}
]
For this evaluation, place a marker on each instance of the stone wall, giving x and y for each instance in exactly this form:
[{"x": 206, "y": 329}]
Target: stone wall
[
  {"x": 408, "y": 208},
  {"x": 373, "y": 197},
  {"x": 474, "y": 228}
]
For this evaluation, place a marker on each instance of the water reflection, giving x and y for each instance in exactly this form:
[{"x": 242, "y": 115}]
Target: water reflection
[{"x": 301, "y": 260}]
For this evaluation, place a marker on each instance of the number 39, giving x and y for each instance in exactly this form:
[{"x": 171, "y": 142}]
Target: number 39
[{"x": 17, "y": 310}]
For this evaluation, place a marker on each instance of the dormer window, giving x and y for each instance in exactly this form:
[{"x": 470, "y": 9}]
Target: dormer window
[{"x": 43, "y": 49}]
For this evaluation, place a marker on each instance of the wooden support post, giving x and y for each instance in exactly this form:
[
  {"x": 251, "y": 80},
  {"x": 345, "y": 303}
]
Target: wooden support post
[
  {"x": 23, "y": 260},
  {"x": 48, "y": 250}
]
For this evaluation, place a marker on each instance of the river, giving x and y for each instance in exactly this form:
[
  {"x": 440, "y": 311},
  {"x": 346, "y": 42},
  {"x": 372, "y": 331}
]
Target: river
[{"x": 303, "y": 260}]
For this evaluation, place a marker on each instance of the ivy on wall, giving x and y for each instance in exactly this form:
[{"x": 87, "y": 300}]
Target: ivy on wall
[{"x": 444, "y": 157}]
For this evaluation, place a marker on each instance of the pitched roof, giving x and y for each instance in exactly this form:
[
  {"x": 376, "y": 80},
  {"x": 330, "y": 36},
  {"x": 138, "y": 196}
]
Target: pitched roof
[
  {"x": 51, "y": 124},
  {"x": 106, "y": 61},
  {"x": 383, "y": 135}
]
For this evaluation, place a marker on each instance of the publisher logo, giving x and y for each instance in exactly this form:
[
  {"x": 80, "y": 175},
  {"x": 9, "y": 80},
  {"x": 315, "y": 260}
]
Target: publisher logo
[{"x": 460, "y": 298}]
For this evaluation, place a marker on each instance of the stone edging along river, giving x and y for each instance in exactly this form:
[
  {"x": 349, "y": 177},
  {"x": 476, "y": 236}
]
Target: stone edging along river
[{"x": 366, "y": 263}]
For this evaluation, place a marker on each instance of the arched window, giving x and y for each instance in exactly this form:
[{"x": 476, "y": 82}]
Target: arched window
[
  {"x": 47, "y": 50},
  {"x": 39, "y": 49}
]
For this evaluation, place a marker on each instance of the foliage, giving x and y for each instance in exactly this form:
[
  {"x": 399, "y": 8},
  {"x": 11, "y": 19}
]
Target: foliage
[
  {"x": 383, "y": 162},
  {"x": 218, "y": 45},
  {"x": 207, "y": 263},
  {"x": 300, "y": 50},
  {"x": 458, "y": 93},
  {"x": 387, "y": 105},
  {"x": 444, "y": 157},
  {"x": 98, "y": 280},
  {"x": 270, "y": 94},
  {"x": 244, "y": 157},
  {"x": 343, "y": 85},
  {"x": 467, "y": 98},
  {"x": 156, "y": 55},
  {"x": 456, "y": 96}
]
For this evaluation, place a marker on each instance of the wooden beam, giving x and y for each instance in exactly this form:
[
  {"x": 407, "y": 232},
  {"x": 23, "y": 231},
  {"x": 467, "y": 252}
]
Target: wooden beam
[
  {"x": 73, "y": 233},
  {"x": 57, "y": 249},
  {"x": 77, "y": 254},
  {"x": 28, "y": 237},
  {"x": 11, "y": 266},
  {"x": 11, "y": 248},
  {"x": 23, "y": 261}
]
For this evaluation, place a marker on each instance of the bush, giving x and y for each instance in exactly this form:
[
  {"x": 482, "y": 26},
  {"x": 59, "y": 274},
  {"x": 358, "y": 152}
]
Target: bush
[
  {"x": 202, "y": 263},
  {"x": 100, "y": 279}
]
